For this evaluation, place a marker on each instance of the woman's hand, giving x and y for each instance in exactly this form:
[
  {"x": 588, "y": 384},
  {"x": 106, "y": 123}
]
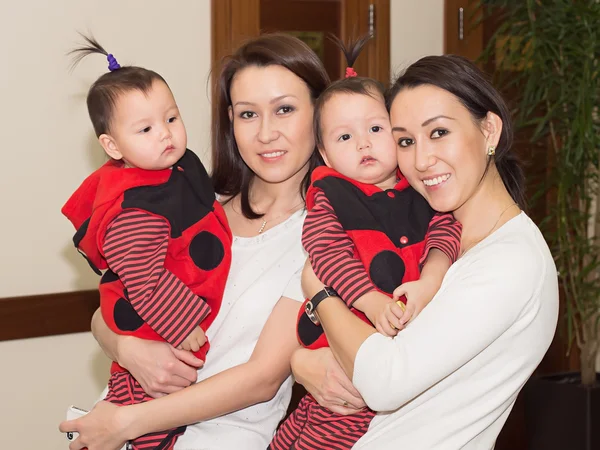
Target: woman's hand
[
  {"x": 103, "y": 428},
  {"x": 159, "y": 367},
  {"x": 322, "y": 376}
]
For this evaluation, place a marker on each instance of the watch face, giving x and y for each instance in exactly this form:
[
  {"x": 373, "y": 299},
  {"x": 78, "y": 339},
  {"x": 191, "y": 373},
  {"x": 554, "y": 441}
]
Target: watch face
[{"x": 308, "y": 308}]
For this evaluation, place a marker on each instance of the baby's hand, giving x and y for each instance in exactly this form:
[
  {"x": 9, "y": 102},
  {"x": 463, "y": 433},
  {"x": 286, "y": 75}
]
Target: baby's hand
[
  {"x": 388, "y": 320},
  {"x": 381, "y": 310},
  {"x": 418, "y": 295},
  {"x": 194, "y": 341}
]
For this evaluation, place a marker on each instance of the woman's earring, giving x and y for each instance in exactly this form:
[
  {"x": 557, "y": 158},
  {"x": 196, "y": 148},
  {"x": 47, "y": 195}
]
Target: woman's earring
[{"x": 491, "y": 150}]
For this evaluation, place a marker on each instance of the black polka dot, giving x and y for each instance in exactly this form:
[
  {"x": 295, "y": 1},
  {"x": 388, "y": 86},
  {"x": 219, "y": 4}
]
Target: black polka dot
[
  {"x": 108, "y": 277},
  {"x": 126, "y": 318},
  {"x": 386, "y": 271},
  {"x": 206, "y": 250}
]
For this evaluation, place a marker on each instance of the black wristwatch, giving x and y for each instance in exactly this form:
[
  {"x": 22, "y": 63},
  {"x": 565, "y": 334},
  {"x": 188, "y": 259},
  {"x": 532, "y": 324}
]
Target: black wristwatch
[{"x": 311, "y": 306}]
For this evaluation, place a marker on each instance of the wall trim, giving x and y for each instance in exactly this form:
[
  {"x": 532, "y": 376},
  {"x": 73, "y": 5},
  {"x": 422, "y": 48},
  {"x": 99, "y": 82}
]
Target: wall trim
[{"x": 47, "y": 314}]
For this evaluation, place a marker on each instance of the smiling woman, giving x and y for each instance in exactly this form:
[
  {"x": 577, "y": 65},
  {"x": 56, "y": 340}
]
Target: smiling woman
[
  {"x": 281, "y": 103},
  {"x": 472, "y": 102},
  {"x": 450, "y": 379},
  {"x": 276, "y": 132},
  {"x": 451, "y": 138}
]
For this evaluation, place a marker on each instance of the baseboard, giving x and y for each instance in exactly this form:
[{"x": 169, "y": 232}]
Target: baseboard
[{"x": 47, "y": 315}]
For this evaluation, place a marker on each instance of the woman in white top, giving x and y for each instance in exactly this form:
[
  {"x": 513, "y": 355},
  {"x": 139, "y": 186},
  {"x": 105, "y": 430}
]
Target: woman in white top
[
  {"x": 262, "y": 158},
  {"x": 450, "y": 378}
]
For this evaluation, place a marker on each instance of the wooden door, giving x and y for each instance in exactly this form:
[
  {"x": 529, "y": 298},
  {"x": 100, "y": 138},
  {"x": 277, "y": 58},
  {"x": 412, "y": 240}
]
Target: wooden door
[
  {"x": 463, "y": 34},
  {"x": 233, "y": 21}
]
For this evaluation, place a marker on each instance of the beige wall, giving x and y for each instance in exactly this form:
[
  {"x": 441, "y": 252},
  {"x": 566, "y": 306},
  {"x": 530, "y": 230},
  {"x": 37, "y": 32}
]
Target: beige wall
[
  {"x": 48, "y": 147},
  {"x": 417, "y": 30},
  {"x": 40, "y": 378}
]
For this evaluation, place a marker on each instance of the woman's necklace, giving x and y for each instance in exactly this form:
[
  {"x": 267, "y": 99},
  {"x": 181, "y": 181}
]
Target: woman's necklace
[
  {"x": 488, "y": 233},
  {"x": 265, "y": 221}
]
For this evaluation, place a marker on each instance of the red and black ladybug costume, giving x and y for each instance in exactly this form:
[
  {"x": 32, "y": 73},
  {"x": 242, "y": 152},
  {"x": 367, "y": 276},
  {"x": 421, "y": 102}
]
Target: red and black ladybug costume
[
  {"x": 191, "y": 269},
  {"x": 359, "y": 238}
]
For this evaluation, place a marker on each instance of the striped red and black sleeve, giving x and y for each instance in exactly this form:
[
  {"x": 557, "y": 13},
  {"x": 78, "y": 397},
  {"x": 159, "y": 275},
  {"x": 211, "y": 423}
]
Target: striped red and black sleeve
[
  {"x": 332, "y": 252},
  {"x": 444, "y": 234},
  {"x": 135, "y": 247}
]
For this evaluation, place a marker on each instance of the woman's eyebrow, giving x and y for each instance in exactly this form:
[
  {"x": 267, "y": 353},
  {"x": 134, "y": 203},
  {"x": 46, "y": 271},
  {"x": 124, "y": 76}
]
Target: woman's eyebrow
[
  {"x": 441, "y": 116},
  {"x": 281, "y": 97},
  {"x": 243, "y": 103},
  {"x": 274, "y": 100},
  {"x": 424, "y": 124}
]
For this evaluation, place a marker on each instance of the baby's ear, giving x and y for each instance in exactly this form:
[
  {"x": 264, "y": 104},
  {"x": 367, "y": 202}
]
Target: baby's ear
[
  {"x": 324, "y": 156},
  {"x": 110, "y": 146}
]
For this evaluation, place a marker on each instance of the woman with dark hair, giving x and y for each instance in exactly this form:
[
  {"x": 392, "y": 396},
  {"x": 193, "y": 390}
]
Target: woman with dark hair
[
  {"x": 450, "y": 378},
  {"x": 263, "y": 153}
]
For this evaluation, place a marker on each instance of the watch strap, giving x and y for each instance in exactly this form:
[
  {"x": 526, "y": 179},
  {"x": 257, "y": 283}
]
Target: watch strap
[{"x": 311, "y": 305}]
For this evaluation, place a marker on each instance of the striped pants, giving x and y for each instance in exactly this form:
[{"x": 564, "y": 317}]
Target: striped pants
[
  {"x": 123, "y": 390},
  {"x": 313, "y": 427}
]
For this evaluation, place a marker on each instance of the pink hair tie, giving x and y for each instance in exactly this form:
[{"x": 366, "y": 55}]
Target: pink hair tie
[{"x": 350, "y": 72}]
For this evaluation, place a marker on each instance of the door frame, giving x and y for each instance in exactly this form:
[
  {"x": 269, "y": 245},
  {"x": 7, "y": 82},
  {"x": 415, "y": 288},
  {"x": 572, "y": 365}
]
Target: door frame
[{"x": 233, "y": 21}]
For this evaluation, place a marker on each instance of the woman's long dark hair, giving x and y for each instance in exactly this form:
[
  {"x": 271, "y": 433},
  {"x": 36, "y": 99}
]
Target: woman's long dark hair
[
  {"x": 465, "y": 81},
  {"x": 231, "y": 176}
]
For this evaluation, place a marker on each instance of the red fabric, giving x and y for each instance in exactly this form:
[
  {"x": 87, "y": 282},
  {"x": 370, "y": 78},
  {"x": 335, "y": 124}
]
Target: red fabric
[
  {"x": 135, "y": 247},
  {"x": 314, "y": 427},
  {"x": 98, "y": 200},
  {"x": 123, "y": 390},
  {"x": 323, "y": 172},
  {"x": 332, "y": 253},
  {"x": 367, "y": 244}
]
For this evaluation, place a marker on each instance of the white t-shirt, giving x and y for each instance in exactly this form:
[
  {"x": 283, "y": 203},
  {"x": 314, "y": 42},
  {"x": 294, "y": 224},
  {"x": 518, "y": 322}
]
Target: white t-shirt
[
  {"x": 452, "y": 376},
  {"x": 263, "y": 269}
]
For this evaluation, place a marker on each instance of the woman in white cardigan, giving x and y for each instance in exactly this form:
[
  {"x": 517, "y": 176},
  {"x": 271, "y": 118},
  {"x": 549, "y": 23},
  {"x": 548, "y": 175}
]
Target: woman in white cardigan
[{"x": 450, "y": 378}]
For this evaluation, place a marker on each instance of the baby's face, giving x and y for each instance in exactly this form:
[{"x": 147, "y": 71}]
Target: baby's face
[
  {"x": 146, "y": 129},
  {"x": 357, "y": 138}
]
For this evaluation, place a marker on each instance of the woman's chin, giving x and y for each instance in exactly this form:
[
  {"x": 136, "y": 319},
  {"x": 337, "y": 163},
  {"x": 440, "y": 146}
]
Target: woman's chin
[
  {"x": 274, "y": 177},
  {"x": 440, "y": 204},
  {"x": 279, "y": 174}
]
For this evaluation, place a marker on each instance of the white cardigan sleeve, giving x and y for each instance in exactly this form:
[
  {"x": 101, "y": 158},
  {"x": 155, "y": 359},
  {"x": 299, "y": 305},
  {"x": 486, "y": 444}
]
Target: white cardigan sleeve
[{"x": 478, "y": 301}]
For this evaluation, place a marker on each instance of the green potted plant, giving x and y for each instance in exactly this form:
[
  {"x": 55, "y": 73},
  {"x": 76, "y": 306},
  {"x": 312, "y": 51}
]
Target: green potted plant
[{"x": 547, "y": 55}]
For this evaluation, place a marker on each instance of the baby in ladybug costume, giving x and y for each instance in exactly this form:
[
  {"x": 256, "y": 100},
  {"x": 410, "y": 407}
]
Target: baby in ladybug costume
[
  {"x": 148, "y": 218},
  {"x": 370, "y": 236}
]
